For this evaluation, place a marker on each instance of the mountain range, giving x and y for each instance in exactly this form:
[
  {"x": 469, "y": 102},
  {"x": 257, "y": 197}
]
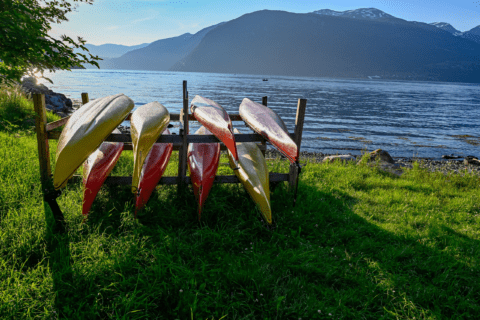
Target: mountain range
[
  {"x": 110, "y": 50},
  {"x": 356, "y": 44}
]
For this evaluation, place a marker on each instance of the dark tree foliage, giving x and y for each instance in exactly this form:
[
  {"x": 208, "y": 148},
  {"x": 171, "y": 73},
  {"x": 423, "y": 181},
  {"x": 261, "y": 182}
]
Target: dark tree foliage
[{"x": 25, "y": 45}]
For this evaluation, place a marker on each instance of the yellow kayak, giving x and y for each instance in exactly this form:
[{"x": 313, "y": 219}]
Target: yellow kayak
[
  {"x": 146, "y": 125},
  {"x": 253, "y": 174},
  {"x": 85, "y": 131}
]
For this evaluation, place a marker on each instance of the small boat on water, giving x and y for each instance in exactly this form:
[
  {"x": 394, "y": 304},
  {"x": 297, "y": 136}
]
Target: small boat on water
[
  {"x": 152, "y": 171},
  {"x": 211, "y": 115},
  {"x": 96, "y": 169},
  {"x": 253, "y": 174},
  {"x": 203, "y": 161},
  {"x": 268, "y": 123},
  {"x": 146, "y": 125},
  {"x": 265, "y": 79},
  {"x": 85, "y": 131}
]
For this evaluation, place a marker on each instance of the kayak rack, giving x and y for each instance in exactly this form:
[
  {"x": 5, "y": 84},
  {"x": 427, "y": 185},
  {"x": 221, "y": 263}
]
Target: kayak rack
[{"x": 45, "y": 131}]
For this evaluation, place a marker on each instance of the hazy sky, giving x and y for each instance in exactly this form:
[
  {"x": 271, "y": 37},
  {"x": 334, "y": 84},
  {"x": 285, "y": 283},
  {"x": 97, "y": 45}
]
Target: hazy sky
[{"x": 131, "y": 22}]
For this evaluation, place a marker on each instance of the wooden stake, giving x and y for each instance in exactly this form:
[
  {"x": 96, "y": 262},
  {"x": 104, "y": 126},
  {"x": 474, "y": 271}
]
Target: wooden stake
[
  {"x": 294, "y": 167},
  {"x": 85, "y": 98},
  {"x": 264, "y": 142},
  {"x": 53, "y": 215},
  {"x": 182, "y": 154},
  {"x": 42, "y": 139}
]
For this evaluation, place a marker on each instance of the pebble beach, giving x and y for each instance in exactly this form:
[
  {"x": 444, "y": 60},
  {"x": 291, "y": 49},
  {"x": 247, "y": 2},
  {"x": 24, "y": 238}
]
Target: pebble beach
[{"x": 456, "y": 166}]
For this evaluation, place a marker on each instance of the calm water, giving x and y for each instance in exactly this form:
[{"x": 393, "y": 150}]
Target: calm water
[{"x": 343, "y": 116}]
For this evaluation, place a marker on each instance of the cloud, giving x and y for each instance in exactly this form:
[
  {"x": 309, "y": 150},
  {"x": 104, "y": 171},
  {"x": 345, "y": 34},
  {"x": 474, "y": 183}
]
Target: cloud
[{"x": 141, "y": 20}]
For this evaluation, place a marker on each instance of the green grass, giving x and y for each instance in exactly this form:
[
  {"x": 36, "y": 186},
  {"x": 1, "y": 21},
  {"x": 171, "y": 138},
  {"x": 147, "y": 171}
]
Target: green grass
[{"x": 360, "y": 244}]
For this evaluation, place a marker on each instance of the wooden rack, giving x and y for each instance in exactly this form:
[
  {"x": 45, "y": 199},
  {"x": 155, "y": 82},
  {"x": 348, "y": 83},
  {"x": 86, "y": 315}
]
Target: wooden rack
[{"x": 180, "y": 143}]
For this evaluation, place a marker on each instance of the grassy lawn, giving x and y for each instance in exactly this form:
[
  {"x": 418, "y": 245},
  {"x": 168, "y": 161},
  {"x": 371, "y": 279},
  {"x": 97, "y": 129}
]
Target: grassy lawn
[{"x": 360, "y": 244}]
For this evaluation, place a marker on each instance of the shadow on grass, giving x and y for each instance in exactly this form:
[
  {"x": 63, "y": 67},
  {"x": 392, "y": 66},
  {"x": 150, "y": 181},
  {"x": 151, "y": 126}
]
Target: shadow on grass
[{"x": 321, "y": 256}]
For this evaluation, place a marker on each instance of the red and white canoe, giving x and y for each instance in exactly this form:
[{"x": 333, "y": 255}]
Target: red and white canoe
[
  {"x": 152, "y": 171},
  {"x": 203, "y": 161},
  {"x": 211, "y": 115},
  {"x": 96, "y": 169},
  {"x": 268, "y": 123}
]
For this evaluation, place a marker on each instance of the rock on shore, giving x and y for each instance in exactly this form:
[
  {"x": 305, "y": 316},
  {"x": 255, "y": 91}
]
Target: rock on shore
[{"x": 56, "y": 102}]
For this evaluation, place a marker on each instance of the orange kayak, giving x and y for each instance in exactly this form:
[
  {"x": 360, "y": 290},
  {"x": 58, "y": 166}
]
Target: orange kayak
[
  {"x": 203, "y": 161},
  {"x": 96, "y": 169},
  {"x": 211, "y": 115},
  {"x": 152, "y": 171},
  {"x": 268, "y": 123}
]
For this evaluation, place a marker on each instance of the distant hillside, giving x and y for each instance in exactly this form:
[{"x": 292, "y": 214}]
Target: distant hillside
[
  {"x": 331, "y": 45},
  {"x": 109, "y": 50},
  {"x": 159, "y": 55}
]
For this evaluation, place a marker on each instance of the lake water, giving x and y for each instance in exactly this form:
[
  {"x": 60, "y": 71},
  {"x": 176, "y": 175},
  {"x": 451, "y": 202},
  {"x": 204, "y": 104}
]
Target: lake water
[{"x": 424, "y": 119}]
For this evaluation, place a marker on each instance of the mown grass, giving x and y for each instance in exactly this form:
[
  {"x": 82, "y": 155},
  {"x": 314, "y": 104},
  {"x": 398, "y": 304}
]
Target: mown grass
[{"x": 360, "y": 244}]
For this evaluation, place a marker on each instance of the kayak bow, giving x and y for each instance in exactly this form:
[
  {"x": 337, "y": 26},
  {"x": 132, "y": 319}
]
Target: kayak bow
[
  {"x": 146, "y": 125},
  {"x": 216, "y": 120},
  {"x": 96, "y": 169},
  {"x": 203, "y": 161},
  {"x": 268, "y": 123},
  {"x": 85, "y": 131},
  {"x": 253, "y": 174},
  {"x": 152, "y": 171}
]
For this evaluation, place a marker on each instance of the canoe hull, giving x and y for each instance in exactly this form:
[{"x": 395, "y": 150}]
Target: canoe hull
[
  {"x": 268, "y": 123},
  {"x": 213, "y": 117},
  {"x": 203, "y": 159},
  {"x": 152, "y": 171},
  {"x": 146, "y": 125},
  {"x": 253, "y": 174},
  {"x": 85, "y": 131},
  {"x": 96, "y": 169}
]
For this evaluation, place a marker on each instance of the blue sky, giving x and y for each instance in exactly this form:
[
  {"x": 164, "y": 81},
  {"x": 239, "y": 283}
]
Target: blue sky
[{"x": 130, "y": 22}]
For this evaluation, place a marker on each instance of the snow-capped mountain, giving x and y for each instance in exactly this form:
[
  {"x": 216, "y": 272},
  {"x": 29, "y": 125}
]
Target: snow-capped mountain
[
  {"x": 473, "y": 34},
  {"x": 447, "y": 27},
  {"x": 362, "y": 13}
]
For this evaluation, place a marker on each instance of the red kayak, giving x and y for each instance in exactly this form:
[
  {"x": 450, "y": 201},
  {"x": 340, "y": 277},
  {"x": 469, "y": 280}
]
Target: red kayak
[
  {"x": 268, "y": 123},
  {"x": 216, "y": 120},
  {"x": 96, "y": 169},
  {"x": 155, "y": 164},
  {"x": 203, "y": 161}
]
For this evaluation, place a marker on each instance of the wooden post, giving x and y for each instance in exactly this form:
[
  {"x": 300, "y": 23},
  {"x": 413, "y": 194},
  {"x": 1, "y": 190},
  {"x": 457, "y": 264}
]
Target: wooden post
[
  {"x": 53, "y": 215},
  {"x": 85, "y": 98},
  {"x": 182, "y": 153},
  {"x": 42, "y": 140},
  {"x": 295, "y": 167},
  {"x": 264, "y": 142}
]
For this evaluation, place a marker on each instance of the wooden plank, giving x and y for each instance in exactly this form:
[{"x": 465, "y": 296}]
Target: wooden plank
[
  {"x": 174, "y": 117},
  {"x": 176, "y": 147},
  {"x": 127, "y": 180},
  {"x": 174, "y": 138},
  {"x": 56, "y": 124},
  {"x": 184, "y": 131},
  {"x": 85, "y": 98},
  {"x": 42, "y": 139}
]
